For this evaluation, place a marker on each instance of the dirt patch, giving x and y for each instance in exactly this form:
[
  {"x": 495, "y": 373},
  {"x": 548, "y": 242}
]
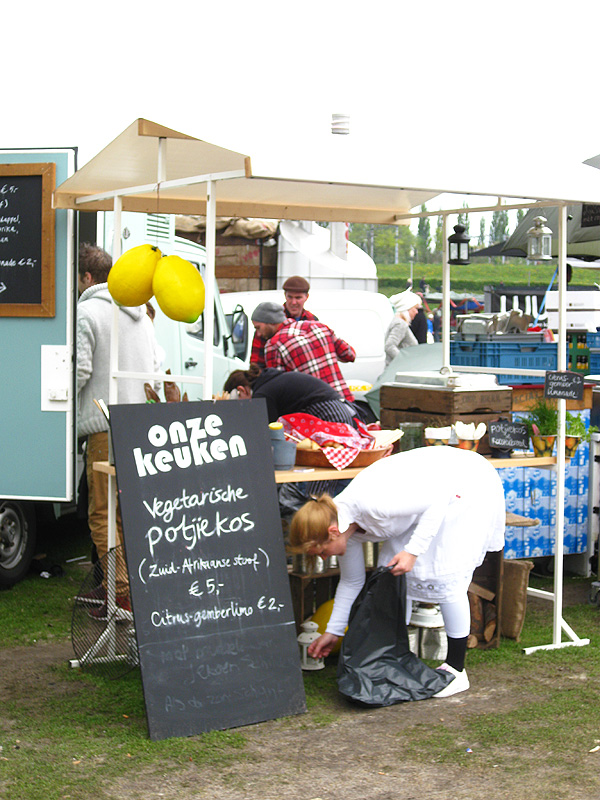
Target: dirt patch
[{"x": 363, "y": 754}]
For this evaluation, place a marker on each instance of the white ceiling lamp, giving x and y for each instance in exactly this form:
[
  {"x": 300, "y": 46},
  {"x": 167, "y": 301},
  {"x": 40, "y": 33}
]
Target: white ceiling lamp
[{"x": 340, "y": 124}]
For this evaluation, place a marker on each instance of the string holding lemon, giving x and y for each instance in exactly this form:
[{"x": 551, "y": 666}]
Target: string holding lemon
[
  {"x": 130, "y": 278},
  {"x": 179, "y": 289}
]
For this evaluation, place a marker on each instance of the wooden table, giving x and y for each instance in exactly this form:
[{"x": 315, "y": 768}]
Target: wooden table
[
  {"x": 310, "y": 591},
  {"x": 304, "y": 474}
]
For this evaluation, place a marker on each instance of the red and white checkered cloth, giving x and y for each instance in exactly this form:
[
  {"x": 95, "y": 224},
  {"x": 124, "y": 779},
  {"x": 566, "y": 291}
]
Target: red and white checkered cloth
[{"x": 305, "y": 426}]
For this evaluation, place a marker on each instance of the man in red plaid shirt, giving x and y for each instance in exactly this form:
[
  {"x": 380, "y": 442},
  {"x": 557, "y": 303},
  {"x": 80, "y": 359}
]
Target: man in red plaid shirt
[
  {"x": 303, "y": 346},
  {"x": 296, "y": 294}
]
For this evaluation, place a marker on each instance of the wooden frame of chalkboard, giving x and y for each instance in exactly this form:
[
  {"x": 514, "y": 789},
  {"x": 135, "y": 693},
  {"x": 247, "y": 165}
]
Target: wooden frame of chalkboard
[{"x": 27, "y": 275}]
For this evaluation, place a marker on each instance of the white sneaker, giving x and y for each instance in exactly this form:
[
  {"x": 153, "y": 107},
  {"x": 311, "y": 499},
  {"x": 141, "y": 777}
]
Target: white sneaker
[{"x": 459, "y": 684}]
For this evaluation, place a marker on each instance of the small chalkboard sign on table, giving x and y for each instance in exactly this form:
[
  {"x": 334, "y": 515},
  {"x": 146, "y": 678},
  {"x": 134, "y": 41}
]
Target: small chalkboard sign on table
[
  {"x": 207, "y": 569},
  {"x": 27, "y": 240},
  {"x": 566, "y": 385},
  {"x": 505, "y": 435}
]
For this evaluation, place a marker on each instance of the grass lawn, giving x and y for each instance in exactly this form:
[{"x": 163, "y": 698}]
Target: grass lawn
[
  {"x": 82, "y": 732},
  {"x": 475, "y": 276}
]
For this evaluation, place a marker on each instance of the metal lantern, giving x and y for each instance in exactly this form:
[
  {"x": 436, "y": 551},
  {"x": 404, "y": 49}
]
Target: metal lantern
[
  {"x": 539, "y": 241},
  {"x": 458, "y": 246},
  {"x": 310, "y": 633}
]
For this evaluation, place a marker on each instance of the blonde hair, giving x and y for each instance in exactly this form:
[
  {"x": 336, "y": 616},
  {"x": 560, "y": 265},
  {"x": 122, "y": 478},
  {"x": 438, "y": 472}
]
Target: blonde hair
[{"x": 310, "y": 524}]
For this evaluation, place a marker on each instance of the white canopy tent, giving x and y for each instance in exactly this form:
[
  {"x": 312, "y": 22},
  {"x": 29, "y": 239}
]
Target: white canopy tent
[{"x": 154, "y": 169}]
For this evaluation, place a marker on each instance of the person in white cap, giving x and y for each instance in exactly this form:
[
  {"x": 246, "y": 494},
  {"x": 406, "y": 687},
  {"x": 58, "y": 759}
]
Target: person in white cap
[{"x": 399, "y": 335}]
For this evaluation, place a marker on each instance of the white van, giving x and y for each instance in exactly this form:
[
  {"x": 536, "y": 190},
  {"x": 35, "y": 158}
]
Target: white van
[
  {"x": 183, "y": 344},
  {"x": 359, "y": 317}
]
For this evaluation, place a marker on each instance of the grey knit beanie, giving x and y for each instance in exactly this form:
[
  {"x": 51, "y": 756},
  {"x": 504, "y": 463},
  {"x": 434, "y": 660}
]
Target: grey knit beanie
[{"x": 270, "y": 313}]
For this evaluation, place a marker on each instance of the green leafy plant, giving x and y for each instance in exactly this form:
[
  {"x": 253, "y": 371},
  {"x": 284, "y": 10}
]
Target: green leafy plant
[
  {"x": 575, "y": 426},
  {"x": 542, "y": 419}
]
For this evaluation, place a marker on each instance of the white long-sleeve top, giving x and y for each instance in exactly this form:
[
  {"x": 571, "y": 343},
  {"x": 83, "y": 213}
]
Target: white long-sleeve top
[
  {"x": 137, "y": 353},
  {"x": 441, "y": 504}
]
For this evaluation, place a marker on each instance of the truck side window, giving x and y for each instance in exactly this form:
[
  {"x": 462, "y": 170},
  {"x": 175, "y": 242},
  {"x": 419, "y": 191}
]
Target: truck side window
[
  {"x": 238, "y": 323},
  {"x": 197, "y": 329}
]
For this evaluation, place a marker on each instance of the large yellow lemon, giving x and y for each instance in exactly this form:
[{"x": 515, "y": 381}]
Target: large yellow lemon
[
  {"x": 321, "y": 617},
  {"x": 130, "y": 279},
  {"x": 178, "y": 288}
]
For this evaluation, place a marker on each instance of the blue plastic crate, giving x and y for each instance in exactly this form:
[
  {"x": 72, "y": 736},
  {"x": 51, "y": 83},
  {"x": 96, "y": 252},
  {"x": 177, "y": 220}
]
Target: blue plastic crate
[
  {"x": 593, "y": 339},
  {"x": 594, "y": 362},
  {"x": 467, "y": 353},
  {"x": 506, "y": 355}
]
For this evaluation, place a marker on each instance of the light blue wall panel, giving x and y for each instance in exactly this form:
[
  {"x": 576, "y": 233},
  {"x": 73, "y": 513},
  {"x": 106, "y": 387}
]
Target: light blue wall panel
[{"x": 34, "y": 444}]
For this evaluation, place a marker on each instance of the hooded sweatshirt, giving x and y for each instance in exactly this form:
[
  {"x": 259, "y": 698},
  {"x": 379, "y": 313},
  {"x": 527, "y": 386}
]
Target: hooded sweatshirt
[{"x": 137, "y": 352}]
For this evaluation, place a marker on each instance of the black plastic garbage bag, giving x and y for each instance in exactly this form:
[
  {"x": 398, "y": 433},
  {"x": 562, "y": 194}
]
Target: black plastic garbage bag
[{"x": 375, "y": 665}]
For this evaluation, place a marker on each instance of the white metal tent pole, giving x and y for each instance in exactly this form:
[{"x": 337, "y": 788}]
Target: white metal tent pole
[
  {"x": 559, "y": 625},
  {"x": 560, "y": 443},
  {"x": 209, "y": 276},
  {"x": 445, "y": 296},
  {"x": 114, "y": 367},
  {"x": 111, "y": 536},
  {"x": 114, "y": 331}
]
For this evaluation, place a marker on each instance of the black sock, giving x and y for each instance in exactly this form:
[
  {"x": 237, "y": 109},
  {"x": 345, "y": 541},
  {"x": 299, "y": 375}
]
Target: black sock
[{"x": 457, "y": 650}]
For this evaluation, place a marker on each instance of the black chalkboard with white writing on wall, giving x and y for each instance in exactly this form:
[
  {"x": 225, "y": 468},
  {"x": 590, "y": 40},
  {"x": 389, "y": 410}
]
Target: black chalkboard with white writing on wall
[
  {"x": 27, "y": 283},
  {"x": 565, "y": 385},
  {"x": 207, "y": 568}
]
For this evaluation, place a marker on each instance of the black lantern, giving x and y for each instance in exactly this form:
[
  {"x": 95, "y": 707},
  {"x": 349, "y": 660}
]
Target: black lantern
[
  {"x": 458, "y": 246},
  {"x": 539, "y": 241}
]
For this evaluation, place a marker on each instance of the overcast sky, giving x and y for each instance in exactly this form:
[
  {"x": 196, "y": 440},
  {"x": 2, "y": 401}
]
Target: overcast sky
[{"x": 270, "y": 74}]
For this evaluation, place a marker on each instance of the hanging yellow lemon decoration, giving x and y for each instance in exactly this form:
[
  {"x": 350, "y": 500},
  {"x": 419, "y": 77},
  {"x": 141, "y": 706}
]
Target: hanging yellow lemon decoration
[
  {"x": 130, "y": 279},
  {"x": 179, "y": 289}
]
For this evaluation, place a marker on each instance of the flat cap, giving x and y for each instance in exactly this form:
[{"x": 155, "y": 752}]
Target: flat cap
[
  {"x": 269, "y": 313},
  {"x": 296, "y": 283}
]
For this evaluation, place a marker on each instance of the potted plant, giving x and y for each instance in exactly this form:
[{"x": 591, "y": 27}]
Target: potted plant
[
  {"x": 576, "y": 432},
  {"x": 542, "y": 426}
]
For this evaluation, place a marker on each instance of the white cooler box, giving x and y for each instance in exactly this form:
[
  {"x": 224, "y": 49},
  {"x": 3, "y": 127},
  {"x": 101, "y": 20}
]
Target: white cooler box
[{"x": 583, "y": 310}]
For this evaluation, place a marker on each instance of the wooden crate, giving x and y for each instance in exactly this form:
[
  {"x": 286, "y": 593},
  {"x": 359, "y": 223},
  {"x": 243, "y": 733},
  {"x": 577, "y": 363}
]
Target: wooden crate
[
  {"x": 445, "y": 401},
  {"x": 525, "y": 396},
  {"x": 489, "y": 576},
  {"x": 437, "y": 408}
]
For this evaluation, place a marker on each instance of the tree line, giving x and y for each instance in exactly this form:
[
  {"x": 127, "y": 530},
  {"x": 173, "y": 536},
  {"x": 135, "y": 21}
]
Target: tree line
[{"x": 398, "y": 244}]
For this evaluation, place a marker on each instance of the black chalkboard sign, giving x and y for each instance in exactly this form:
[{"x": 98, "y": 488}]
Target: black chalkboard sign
[
  {"x": 27, "y": 240},
  {"x": 590, "y": 215},
  {"x": 568, "y": 385},
  {"x": 207, "y": 569},
  {"x": 506, "y": 435}
]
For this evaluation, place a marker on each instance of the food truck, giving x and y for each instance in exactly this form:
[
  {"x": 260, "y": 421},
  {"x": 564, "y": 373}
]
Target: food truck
[{"x": 40, "y": 461}]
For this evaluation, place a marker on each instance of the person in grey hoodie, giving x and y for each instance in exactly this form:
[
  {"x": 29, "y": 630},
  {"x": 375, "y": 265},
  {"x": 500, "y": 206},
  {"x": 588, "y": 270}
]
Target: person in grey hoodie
[{"x": 138, "y": 352}]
